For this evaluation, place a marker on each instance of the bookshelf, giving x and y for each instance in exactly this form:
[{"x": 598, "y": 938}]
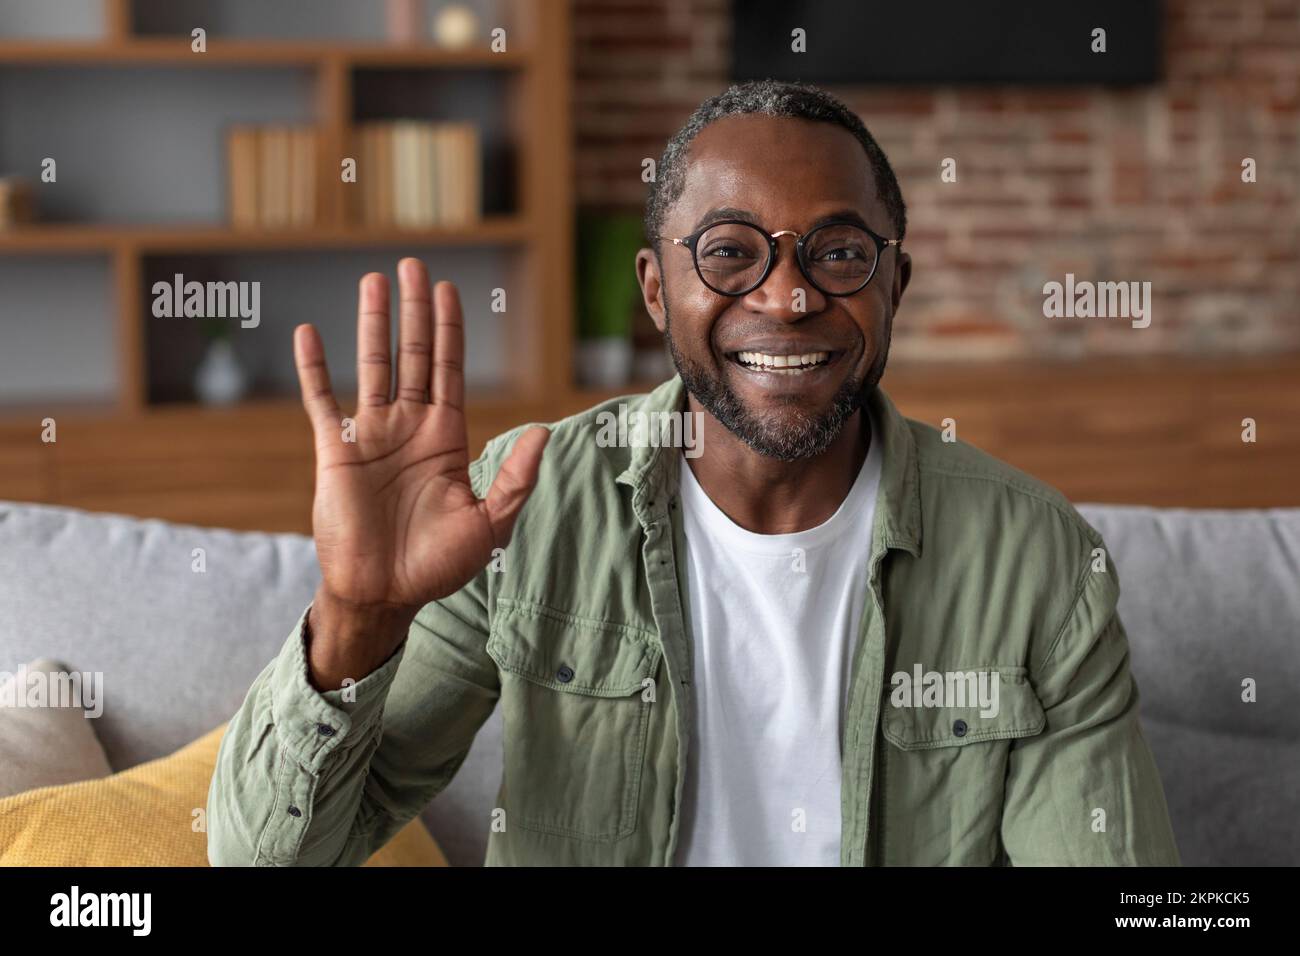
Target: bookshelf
[
  {"x": 134, "y": 51},
  {"x": 61, "y": 238},
  {"x": 523, "y": 243}
]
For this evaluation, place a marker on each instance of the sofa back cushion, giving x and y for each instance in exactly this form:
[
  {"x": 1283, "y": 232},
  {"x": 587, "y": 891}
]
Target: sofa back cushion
[{"x": 180, "y": 620}]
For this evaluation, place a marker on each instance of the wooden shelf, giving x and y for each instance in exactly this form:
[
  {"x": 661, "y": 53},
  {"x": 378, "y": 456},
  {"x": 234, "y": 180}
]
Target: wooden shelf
[
  {"x": 175, "y": 51},
  {"x": 250, "y": 465},
  {"x": 479, "y": 400},
  {"x": 58, "y": 239}
]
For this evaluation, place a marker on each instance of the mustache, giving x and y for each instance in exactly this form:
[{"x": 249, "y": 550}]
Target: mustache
[{"x": 759, "y": 335}]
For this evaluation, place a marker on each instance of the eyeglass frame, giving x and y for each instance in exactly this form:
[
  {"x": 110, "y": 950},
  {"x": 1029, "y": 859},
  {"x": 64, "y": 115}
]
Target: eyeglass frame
[{"x": 690, "y": 241}]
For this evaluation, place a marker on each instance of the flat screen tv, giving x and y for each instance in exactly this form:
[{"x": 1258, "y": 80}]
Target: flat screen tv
[{"x": 1002, "y": 42}]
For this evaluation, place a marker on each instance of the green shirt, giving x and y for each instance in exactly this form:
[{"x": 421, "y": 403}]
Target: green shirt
[{"x": 580, "y": 633}]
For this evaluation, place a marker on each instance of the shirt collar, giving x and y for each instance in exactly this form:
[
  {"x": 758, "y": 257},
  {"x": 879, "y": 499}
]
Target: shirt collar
[{"x": 652, "y": 472}]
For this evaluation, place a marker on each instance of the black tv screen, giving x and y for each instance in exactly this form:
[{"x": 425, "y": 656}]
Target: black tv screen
[{"x": 944, "y": 41}]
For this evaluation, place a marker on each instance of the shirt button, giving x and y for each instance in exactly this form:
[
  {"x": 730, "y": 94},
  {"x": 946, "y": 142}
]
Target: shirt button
[
  {"x": 959, "y": 728},
  {"x": 325, "y": 730},
  {"x": 295, "y": 812},
  {"x": 564, "y": 674}
]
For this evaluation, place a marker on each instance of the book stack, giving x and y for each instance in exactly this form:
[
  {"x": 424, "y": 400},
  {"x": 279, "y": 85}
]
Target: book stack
[
  {"x": 17, "y": 202},
  {"x": 272, "y": 171},
  {"x": 416, "y": 174}
]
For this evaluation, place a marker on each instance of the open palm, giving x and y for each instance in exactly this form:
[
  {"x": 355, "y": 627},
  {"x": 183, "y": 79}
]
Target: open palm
[{"x": 395, "y": 520}]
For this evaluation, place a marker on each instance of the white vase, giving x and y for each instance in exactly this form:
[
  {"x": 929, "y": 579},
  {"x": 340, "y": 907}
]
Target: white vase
[{"x": 219, "y": 379}]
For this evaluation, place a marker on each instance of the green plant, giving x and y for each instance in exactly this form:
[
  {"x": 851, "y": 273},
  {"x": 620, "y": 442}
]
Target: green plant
[{"x": 608, "y": 293}]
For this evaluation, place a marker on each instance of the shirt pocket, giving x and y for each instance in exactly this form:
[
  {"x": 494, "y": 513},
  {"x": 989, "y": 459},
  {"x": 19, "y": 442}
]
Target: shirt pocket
[
  {"x": 1019, "y": 713},
  {"x": 943, "y": 775},
  {"x": 575, "y": 718}
]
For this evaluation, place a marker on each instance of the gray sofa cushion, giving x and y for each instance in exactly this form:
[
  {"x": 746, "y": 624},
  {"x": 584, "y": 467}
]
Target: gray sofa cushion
[
  {"x": 1208, "y": 598},
  {"x": 178, "y": 649}
]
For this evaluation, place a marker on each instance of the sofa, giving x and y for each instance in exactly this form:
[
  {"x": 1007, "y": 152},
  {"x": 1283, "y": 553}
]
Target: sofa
[{"x": 1209, "y": 598}]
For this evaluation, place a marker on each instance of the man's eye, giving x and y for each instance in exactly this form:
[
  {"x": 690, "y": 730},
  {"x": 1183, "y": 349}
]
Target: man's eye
[
  {"x": 841, "y": 254},
  {"x": 726, "y": 252}
]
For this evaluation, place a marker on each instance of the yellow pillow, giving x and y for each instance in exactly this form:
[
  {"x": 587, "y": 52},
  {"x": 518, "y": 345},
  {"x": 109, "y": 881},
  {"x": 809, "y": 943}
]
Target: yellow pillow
[{"x": 144, "y": 817}]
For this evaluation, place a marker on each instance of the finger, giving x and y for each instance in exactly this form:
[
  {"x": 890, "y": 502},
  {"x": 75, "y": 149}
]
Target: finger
[
  {"x": 314, "y": 379},
  {"x": 415, "y": 331},
  {"x": 374, "y": 363},
  {"x": 448, "y": 347},
  {"x": 514, "y": 483}
]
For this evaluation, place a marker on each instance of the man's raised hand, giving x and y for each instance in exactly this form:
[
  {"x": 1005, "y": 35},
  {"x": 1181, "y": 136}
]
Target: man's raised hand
[{"x": 395, "y": 520}]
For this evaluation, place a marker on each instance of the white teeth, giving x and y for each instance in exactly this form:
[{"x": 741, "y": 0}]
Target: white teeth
[{"x": 786, "y": 364}]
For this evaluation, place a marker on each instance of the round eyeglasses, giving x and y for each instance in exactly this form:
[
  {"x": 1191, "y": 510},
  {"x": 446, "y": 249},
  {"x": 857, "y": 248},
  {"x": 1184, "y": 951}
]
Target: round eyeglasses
[{"x": 734, "y": 257}]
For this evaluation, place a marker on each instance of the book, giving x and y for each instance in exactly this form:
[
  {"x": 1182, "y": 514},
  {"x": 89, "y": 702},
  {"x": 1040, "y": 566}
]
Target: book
[
  {"x": 417, "y": 174},
  {"x": 17, "y": 202},
  {"x": 415, "y": 184},
  {"x": 365, "y": 207},
  {"x": 273, "y": 168},
  {"x": 241, "y": 173},
  {"x": 443, "y": 171},
  {"x": 467, "y": 170},
  {"x": 273, "y": 175},
  {"x": 385, "y": 167},
  {"x": 302, "y": 177},
  {"x": 429, "y": 204},
  {"x": 406, "y": 174}
]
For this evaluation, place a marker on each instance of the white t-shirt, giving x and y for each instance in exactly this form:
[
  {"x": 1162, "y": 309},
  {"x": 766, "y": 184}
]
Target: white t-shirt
[{"x": 773, "y": 648}]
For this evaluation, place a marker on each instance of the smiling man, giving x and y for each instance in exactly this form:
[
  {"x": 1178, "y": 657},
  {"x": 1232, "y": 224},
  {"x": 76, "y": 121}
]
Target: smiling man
[{"x": 825, "y": 637}]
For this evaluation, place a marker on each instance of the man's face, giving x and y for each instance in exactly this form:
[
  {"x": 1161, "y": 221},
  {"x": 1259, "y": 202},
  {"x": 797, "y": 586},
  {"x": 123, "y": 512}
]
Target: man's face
[{"x": 778, "y": 173}]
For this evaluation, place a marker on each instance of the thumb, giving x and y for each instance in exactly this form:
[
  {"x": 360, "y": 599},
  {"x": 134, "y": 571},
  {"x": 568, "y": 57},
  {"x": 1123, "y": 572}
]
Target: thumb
[{"x": 514, "y": 483}]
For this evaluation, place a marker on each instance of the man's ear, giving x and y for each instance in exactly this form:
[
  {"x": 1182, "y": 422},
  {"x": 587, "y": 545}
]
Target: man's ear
[
  {"x": 652, "y": 286},
  {"x": 902, "y": 276}
]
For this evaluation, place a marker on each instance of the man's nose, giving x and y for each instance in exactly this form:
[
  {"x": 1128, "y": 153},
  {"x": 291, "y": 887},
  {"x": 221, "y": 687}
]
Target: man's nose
[{"x": 786, "y": 294}]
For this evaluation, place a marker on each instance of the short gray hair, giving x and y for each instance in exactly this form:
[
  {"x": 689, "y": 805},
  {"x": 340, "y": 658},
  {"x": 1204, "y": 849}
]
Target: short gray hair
[{"x": 771, "y": 98}]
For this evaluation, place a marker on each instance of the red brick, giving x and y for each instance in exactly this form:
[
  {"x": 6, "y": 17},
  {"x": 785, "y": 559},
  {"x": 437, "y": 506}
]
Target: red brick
[{"x": 1069, "y": 178}]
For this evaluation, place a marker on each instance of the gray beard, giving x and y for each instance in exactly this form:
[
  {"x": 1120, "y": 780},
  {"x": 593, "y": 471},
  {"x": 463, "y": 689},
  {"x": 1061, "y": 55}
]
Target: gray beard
[{"x": 806, "y": 436}]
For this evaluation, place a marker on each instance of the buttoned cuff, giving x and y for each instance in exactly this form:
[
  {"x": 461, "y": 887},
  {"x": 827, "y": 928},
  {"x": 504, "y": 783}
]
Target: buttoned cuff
[{"x": 312, "y": 724}]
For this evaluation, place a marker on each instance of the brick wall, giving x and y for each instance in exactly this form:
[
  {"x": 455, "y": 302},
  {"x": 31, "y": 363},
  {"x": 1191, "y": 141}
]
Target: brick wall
[{"x": 1108, "y": 184}]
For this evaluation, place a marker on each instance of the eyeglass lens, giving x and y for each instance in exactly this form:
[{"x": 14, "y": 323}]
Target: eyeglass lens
[{"x": 732, "y": 257}]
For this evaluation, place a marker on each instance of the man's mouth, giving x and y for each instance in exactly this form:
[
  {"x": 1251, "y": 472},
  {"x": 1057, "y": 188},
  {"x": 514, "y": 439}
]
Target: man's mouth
[{"x": 783, "y": 363}]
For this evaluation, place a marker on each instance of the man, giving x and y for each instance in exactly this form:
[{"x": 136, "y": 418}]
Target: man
[{"x": 822, "y": 636}]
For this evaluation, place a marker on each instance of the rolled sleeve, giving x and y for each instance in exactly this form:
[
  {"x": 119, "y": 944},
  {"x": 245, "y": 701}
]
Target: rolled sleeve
[
  {"x": 324, "y": 778},
  {"x": 288, "y": 788},
  {"x": 313, "y": 724}
]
